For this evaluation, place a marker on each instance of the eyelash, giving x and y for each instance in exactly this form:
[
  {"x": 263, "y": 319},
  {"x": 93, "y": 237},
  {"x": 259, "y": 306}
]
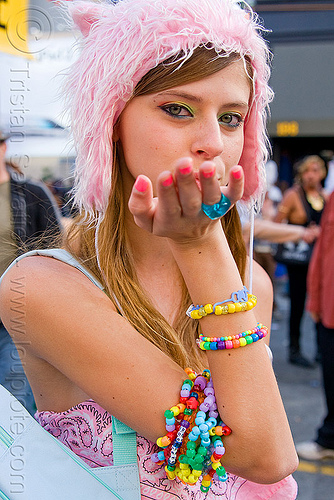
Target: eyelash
[
  {"x": 167, "y": 109},
  {"x": 239, "y": 118}
]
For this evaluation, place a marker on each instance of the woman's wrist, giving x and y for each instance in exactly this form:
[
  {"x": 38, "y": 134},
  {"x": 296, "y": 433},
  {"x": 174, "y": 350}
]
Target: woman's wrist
[
  {"x": 212, "y": 237},
  {"x": 208, "y": 267}
]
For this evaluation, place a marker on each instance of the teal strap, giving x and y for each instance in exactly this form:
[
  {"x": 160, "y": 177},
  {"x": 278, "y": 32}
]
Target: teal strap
[
  {"x": 124, "y": 442},
  {"x": 3, "y": 496}
]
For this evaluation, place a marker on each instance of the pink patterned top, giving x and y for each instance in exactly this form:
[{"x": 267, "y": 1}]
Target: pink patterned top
[{"x": 86, "y": 429}]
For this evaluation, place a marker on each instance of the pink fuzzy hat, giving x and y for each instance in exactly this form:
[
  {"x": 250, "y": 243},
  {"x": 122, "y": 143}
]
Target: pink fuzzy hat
[{"x": 121, "y": 43}]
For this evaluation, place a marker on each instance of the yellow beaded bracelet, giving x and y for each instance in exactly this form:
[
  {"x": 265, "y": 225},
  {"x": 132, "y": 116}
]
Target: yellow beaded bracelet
[{"x": 240, "y": 301}]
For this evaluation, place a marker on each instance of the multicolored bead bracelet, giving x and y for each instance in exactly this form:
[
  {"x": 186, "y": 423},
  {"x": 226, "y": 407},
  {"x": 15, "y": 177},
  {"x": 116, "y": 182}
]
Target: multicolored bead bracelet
[
  {"x": 242, "y": 300},
  {"x": 193, "y": 447},
  {"x": 232, "y": 341}
]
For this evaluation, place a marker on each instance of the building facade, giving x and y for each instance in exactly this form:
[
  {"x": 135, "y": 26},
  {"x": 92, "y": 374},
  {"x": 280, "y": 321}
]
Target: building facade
[{"x": 301, "y": 38}]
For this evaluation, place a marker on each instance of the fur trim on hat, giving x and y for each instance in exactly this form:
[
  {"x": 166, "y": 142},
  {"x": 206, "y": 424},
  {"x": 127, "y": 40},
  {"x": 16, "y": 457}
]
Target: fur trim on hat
[{"x": 120, "y": 44}]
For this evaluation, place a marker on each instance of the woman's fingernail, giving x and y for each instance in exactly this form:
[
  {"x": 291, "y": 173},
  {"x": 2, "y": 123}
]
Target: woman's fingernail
[
  {"x": 237, "y": 174},
  {"x": 168, "y": 181},
  {"x": 209, "y": 172},
  {"x": 186, "y": 170},
  {"x": 141, "y": 184}
]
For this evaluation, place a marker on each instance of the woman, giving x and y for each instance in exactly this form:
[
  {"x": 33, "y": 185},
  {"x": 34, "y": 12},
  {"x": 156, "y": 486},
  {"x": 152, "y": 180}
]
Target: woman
[
  {"x": 303, "y": 205},
  {"x": 165, "y": 106}
]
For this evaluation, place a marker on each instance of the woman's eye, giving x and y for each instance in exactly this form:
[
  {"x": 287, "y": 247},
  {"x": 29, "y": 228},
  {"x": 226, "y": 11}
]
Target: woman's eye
[
  {"x": 176, "y": 110},
  {"x": 231, "y": 119}
]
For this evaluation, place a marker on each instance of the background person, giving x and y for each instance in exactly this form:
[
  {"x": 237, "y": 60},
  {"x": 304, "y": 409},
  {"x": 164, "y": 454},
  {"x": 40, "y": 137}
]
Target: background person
[
  {"x": 320, "y": 304},
  {"x": 303, "y": 205},
  {"x": 29, "y": 217}
]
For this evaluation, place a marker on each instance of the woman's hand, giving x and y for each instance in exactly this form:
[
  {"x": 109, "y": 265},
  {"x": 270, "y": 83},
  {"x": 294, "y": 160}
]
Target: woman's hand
[
  {"x": 311, "y": 233},
  {"x": 176, "y": 212}
]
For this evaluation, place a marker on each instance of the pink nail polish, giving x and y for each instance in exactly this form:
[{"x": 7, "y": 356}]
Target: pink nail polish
[
  {"x": 168, "y": 181},
  {"x": 186, "y": 170},
  {"x": 237, "y": 174},
  {"x": 208, "y": 173},
  {"x": 141, "y": 184}
]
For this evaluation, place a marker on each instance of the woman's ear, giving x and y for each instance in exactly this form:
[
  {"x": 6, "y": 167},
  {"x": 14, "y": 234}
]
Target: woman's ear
[{"x": 85, "y": 14}]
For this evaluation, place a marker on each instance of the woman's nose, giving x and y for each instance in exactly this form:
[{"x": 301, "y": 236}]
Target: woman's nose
[{"x": 208, "y": 140}]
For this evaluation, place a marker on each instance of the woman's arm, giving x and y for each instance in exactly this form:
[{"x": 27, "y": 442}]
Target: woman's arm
[
  {"x": 246, "y": 388},
  {"x": 274, "y": 232},
  {"x": 286, "y": 206},
  {"x": 247, "y": 394}
]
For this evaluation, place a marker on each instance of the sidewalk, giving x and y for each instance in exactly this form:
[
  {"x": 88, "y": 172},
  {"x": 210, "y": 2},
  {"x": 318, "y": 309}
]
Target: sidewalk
[{"x": 303, "y": 399}]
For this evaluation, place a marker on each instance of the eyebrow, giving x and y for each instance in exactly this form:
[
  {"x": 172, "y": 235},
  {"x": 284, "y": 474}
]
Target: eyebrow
[
  {"x": 197, "y": 99},
  {"x": 179, "y": 93}
]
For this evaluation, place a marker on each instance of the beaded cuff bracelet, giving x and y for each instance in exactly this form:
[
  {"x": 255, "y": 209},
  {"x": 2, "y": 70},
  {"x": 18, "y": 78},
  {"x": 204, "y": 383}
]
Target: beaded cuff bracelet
[
  {"x": 240, "y": 301},
  {"x": 232, "y": 341},
  {"x": 193, "y": 447}
]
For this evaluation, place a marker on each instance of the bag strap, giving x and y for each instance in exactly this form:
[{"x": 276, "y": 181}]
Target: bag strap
[
  {"x": 8, "y": 405},
  {"x": 124, "y": 443}
]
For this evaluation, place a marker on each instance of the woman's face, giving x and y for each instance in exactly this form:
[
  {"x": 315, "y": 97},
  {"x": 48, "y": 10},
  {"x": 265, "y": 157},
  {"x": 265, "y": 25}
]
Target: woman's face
[
  {"x": 202, "y": 120},
  {"x": 312, "y": 175}
]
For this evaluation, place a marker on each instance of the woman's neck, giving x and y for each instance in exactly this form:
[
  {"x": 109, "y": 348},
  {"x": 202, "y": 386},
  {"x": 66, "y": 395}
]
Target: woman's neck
[
  {"x": 156, "y": 269},
  {"x": 148, "y": 250},
  {"x": 312, "y": 190}
]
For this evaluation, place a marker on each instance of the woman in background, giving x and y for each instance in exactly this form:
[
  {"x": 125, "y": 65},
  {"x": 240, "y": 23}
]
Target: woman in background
[{"x": 303, "y": 205}]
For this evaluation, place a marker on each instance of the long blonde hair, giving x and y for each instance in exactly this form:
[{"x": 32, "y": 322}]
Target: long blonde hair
[{"x": 114, "y": 265}]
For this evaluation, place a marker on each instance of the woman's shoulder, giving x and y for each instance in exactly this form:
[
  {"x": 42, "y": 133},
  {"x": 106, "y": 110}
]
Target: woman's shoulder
[
  {"x": 43, "y": 281},
  {"x": 291, "y": 194}
]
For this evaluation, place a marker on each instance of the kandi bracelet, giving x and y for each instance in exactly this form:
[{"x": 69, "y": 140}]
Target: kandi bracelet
[
  {"x": 232, "y": 341},
  {"x": 193, "y": 448},
  {"x": 242, "y": 300}
]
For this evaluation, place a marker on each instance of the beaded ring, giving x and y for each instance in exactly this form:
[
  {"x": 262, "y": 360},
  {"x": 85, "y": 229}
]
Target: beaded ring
[
  {"x": 232, "y": 341},
  {"x": 240, "y": 301},
  {"x": 193, "y": 447}
]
